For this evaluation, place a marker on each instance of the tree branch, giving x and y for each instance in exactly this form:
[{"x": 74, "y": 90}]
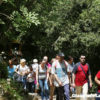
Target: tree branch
[{"x": 5, "y": 15}]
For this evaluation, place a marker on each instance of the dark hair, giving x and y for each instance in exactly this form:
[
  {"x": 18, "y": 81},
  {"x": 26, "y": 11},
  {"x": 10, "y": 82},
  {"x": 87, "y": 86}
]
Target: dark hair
[
  {"x": 69, "y": 58},
  {"x": 30, "y": 67}
]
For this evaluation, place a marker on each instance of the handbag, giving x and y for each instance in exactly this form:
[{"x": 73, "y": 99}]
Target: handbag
[
  {"x": 19, "y": 78},
  {"x": 86, "y": 76}
]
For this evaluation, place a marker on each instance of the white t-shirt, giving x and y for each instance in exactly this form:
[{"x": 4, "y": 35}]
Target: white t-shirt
[
  {"x": 71, "y": 67},
  {"x": 35, "y": 66},
  {"x": 22, "y": 70},
  {"x": 60, "y": 69}
]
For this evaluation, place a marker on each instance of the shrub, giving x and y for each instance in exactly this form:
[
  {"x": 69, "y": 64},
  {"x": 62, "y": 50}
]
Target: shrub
[
  {"x": 12, "y": 90},
  {"x": 3, "y": 70}
]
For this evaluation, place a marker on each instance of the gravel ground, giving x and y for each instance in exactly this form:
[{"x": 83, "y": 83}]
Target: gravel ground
[{"x": 34, "y": 96}]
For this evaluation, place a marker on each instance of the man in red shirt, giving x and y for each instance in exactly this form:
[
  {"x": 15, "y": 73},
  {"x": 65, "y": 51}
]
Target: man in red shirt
[
  {"x": 81, "y": 74},
  {"x": 97, "y": 80}
]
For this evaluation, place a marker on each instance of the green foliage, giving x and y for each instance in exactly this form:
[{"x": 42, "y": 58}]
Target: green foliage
[
  {"x": 93, "y": 89},
  {"x": 71, "y": 26},
  {"x": 1, "y": 22},
  {"x": 18, "y": 19},
  {"x": 3, "y": 70},
  {"x": 12, "y": 90}
]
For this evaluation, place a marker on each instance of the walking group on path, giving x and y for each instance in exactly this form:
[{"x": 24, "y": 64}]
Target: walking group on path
[{"x": 61, "y": 75}]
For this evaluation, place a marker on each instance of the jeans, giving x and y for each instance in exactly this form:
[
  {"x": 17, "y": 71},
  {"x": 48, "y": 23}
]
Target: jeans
[
  {"x": 44, "y": 89},
  {"x": 24, "y": 82},
  {"x": 63, "y": 92}
]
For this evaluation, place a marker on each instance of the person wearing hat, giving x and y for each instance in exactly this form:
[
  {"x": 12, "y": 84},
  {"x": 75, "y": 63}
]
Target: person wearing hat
[
  {"x": 35, "y": 64},
  {"x": 60, "y": 70},
  {"x": 45, "y": 58},
  {"x": 34, "y": 67},
  {"x": 22, "y": 70}
]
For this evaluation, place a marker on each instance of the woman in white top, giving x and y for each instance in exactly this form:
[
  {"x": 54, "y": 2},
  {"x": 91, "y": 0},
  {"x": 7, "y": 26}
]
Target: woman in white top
[
  {"x": 22, "y": 70},
  {"x": 42, "y": 75}
]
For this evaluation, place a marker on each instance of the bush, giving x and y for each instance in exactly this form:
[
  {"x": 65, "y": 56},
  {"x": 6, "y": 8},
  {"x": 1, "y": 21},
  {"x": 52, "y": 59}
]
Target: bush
[
  {"x": 93, "y": 89},
  {"x": 3, "y": 70},
  {"x": 12, "y": 90}
]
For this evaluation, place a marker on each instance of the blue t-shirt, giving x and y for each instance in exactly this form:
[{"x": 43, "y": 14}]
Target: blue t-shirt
[{"x": 11, "y": 71}]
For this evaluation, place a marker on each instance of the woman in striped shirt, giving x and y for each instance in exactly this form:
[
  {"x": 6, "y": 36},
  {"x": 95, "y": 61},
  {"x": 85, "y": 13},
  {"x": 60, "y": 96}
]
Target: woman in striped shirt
[{"x": 42, "y": 75}]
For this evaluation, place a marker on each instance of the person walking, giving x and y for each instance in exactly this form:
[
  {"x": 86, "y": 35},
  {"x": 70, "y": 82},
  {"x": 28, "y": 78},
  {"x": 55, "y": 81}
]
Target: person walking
[
  {"x": 60, "y": 71},
  {"x": 97, "y": 80},
  {"x": 81, "y": 75},
  {"x": 31, "y": 79},
  {"x": 11, "y": 69},
  {"x": 42, "y": 76},
  {"x": 70, "y": 61},
  {"x": 35, "y": 66},
  {"x": 22, "y": 70},
  {"x": 51, "y": 80}
]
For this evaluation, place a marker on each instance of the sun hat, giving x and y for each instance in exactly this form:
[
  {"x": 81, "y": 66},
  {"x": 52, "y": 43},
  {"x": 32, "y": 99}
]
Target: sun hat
[
  {"x": 45, "y": 58},
  {"x": 35, "y": 60},
  {"x": 22, "y": 60}
]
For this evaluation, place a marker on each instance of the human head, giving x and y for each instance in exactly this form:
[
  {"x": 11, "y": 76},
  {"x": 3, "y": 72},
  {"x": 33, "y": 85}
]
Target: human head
[
  {"x": 45, "y": 58},
  {"x": 57, "y": 57},
  {"x": 22, "y": 62},
  {"x": 61, "y": 56},
  {"x": 82, "y": 59},
  {"x": 43, "y": 63},
  {"x": 10, "y": 62},
  {"x": 70, "y": 59}
]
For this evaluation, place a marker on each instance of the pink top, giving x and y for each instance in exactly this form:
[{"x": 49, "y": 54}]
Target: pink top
[{"x": 49, "y": 65}]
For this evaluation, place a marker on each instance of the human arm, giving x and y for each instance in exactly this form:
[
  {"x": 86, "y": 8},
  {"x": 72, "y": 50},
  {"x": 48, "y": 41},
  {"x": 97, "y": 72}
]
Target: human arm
[
  {"x": 57, "y": 79},
  {"x": 17, "y": 69},
  {"x": 37, "y": 73},
  {"x": 73, "y": 79},
  {"x": 53, "y": 72},
  {"x": 90, "y": 80},
  {"x": 68, "y": 71},
  {"x": 97, "y": 77},
  {"x": 73, "y": 75},
  {"x": 89, "y": 77},
  {"x": 97, "y": 81},
  {"x": 47, "y": 75}
]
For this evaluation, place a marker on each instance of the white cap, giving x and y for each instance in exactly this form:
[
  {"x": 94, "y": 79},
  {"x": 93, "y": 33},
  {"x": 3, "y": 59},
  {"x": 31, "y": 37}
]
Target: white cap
[
  {"x": 45, "y": 58},
  {"x": 35, "y": 60},
  {"x": 22, "y": 60}
]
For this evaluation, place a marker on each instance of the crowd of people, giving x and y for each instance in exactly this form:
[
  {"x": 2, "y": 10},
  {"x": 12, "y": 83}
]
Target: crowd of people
[{"x": 59, "y": 74}]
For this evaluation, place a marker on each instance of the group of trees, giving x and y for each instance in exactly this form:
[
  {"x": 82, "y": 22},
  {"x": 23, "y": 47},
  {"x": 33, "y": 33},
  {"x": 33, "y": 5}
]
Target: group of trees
[{"x": 48, "y": 26}]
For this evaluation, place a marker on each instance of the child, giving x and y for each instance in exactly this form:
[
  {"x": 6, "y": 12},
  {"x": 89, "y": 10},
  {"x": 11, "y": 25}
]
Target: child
[{"x": 30, "y": 80}]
